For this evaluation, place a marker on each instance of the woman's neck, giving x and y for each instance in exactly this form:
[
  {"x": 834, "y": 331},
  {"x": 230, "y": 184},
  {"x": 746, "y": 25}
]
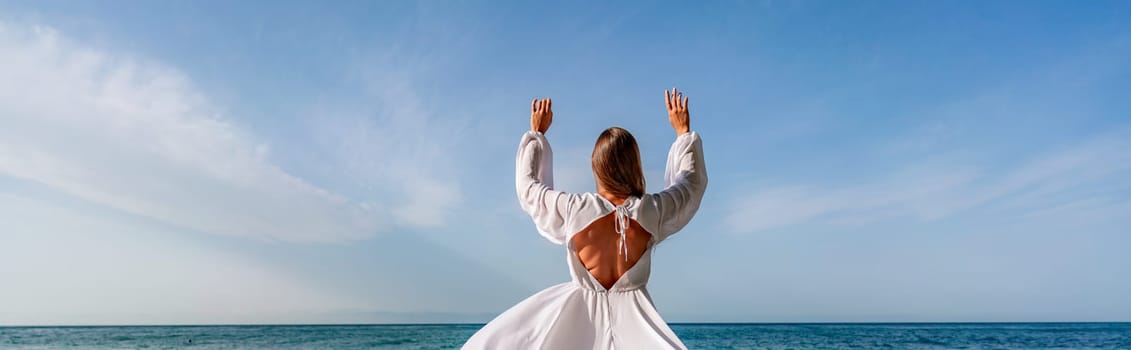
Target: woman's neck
[{"x": 616, "y": 199}]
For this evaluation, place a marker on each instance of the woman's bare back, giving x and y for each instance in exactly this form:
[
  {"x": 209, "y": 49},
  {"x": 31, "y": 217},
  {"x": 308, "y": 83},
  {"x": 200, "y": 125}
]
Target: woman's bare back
[{"x": 598, "y": 248}]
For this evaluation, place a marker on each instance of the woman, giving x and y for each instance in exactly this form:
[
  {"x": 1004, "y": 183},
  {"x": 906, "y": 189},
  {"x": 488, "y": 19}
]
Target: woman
[{"x": 609, "y": 238}]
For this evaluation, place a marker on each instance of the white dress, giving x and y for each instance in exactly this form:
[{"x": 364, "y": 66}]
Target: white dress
[{"x": 582, "y": 314}]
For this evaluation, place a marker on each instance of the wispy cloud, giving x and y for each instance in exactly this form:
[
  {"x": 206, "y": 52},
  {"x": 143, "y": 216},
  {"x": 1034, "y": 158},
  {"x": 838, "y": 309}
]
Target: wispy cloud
[
  {"x": 393, "y": 142},
  {"x": 135, "y": 135},
  {"x": 965, "y": 155},
  {"x": 932, "y": 190},
  {"x": 114, "y": 272}
]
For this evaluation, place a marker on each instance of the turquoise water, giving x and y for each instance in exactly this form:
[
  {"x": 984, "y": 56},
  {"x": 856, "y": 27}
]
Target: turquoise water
[{"x": 696, "y": 336}]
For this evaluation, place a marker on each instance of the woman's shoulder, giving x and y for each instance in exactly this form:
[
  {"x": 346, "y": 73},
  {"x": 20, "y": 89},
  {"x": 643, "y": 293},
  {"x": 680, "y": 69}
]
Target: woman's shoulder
[{"x": 590, "y": 205}]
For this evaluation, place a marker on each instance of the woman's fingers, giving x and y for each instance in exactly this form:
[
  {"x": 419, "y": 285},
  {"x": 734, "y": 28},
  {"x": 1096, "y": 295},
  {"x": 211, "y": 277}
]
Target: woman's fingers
[
  {"x": 675, "y": 100},
  {"x": 549, "y": 104}
]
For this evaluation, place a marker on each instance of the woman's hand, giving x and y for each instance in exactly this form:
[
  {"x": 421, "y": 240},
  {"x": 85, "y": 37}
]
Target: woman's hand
[
  {"x": 541, "y": 115},
  {"x": 677, "y": 111}
]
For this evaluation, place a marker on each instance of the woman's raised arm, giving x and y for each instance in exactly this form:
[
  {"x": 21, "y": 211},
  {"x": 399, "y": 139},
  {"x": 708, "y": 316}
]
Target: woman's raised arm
[
  {"x": 685, "y": 176},
  {"x": 534, "y": 177}
]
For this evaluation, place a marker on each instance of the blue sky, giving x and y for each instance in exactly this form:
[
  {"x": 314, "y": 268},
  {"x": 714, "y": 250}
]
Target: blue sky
[{"x": 218, "y": 162}]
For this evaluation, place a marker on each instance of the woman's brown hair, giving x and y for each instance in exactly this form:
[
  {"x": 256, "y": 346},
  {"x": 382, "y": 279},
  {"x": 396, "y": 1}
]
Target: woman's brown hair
[{"x": 616, "y": 163}]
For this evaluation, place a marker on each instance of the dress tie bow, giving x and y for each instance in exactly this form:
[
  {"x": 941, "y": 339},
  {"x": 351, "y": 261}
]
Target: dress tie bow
[{"x": 622, "y": 228}]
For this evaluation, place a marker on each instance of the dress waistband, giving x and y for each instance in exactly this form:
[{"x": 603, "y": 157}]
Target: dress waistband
[{"x": 600, "y": 290}]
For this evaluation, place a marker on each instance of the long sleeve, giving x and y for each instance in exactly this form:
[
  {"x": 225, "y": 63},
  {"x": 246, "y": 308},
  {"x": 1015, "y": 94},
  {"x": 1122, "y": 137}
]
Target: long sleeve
[
  {"x": 685, "y": 181},
  {"x": 534, "y": 182}
]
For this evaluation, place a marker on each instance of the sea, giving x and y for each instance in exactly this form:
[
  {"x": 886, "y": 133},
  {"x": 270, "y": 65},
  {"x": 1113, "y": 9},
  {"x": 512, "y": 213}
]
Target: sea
[{"x": 695, "y": 336}]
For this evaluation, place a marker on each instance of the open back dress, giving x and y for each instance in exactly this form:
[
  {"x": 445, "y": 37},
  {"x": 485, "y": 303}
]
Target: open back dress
[{"x": 582, "y": 313}]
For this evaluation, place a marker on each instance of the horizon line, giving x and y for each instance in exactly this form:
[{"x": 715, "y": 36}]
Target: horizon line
[{"x": 483, "y": 323}]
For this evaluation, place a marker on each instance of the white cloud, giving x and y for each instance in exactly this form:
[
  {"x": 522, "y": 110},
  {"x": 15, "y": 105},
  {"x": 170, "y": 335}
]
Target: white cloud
[
  {"x": 935, "y": 190},
  {"x": 1024, "y": 111},
  {"x": 395, "y": 147},
  {"x": 135, "y": 135},
  {"x": 68, "y": 266}
]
